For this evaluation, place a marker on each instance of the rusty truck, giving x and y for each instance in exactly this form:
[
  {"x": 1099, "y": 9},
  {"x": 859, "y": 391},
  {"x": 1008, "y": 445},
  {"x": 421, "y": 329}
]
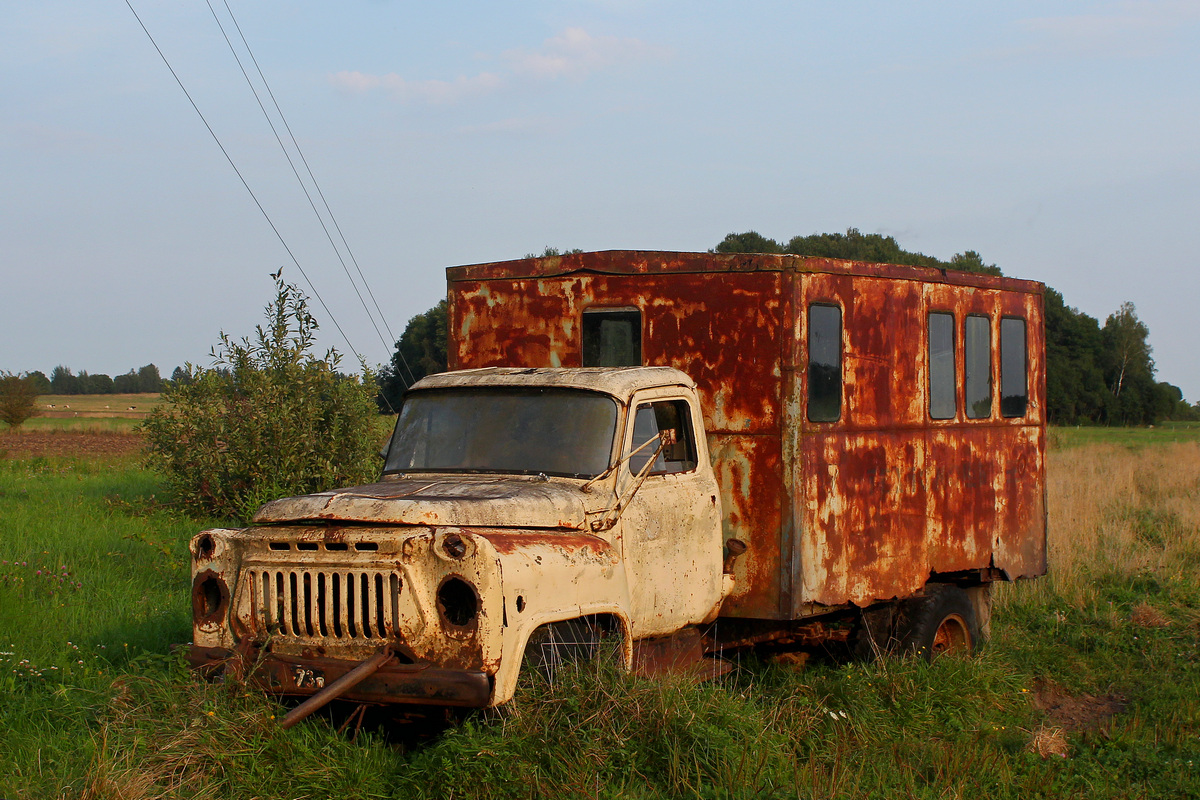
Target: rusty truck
[{"x": 673, "y": 455}]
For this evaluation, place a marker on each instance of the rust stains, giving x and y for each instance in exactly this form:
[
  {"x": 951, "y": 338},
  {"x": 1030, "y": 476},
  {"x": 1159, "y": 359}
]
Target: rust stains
[
  {"x": 860, "y": 509},
  {"x": 509, "y": 542}
]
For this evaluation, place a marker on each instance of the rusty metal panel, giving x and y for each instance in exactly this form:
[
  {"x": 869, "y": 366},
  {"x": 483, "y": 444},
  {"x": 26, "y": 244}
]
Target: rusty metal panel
[
  {"x": 861, "y": 501},
  {"x": 853, "y": 511},
  {"x": 723, "y": 328},
  {"x": 888, "y": 495}
]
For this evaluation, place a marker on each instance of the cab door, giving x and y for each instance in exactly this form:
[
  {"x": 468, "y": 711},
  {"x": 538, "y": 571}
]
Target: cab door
[{"x": 671, "y": 526}]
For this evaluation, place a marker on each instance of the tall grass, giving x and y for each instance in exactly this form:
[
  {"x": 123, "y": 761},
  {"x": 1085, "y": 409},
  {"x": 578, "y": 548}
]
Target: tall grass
[
  {"x": 1117, "y": 513},
  {"x": 78, "y": 425},
  {"x": 1090, "y": 688}
]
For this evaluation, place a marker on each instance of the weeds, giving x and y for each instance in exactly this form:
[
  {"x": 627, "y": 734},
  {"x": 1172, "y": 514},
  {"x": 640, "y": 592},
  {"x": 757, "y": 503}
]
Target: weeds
[{"x": 1090, "y": 687}]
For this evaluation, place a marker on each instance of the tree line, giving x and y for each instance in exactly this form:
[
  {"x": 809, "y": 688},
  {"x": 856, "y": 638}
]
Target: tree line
[
  {"x": 63, "y": 380},
  {"x": 1095, "y": 374}
]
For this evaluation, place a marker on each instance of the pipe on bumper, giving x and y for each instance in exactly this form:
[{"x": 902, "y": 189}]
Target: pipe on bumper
[
  {"x": 338, "y": 688},
  {"x": 391, "y": 684}
]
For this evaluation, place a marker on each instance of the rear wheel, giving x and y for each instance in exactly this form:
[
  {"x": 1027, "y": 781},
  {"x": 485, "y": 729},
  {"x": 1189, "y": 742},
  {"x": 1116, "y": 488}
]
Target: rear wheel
[{"x": 943, "y": 621}]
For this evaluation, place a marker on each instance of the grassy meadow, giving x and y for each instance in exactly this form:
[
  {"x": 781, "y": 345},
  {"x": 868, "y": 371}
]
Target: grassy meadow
[
  {"x": 1090, "y": 686},
  {"x": 90, "y": 413}
]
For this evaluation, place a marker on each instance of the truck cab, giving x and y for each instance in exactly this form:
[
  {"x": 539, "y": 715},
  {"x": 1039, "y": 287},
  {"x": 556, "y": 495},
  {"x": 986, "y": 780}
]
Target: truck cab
[{"x": 580, "y": 503}]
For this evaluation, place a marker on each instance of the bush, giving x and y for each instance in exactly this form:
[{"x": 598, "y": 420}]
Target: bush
[
  {"x": 18, "y": 398},
  {"x": 268, "y": 419}
]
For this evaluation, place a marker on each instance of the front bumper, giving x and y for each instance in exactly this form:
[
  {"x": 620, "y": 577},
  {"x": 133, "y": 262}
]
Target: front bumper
[{"x": 411, "y": 684}]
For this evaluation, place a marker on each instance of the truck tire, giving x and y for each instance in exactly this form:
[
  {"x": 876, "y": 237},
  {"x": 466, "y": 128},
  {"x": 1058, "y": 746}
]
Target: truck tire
[{"x": 942, "y": 621}]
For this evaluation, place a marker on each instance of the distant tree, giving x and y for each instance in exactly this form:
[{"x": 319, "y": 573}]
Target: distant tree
[
  {"x": 181, "y": 376},
  {"x": 18, "y": 399},
  {"x": 40, "y": 381},
  {"x": 1171, "y": 404},
  {"x": 126, "y": 384},
  {"x": 855, "y": 246},
  {"x": 859, "y": 246},
  {"x": 421, "y": 351},
  {"x": 149, "y": 379},
  {"x": 1125, "y": 339},
  {"x": 63, "y": 382},
  {"x": 748, "y": 242},
  {"x": 970, "y": 261},
  {"x": 98, "y": 383},
  {"x": 1075, "y": 388},
  {"x": 550, "y": 252}
]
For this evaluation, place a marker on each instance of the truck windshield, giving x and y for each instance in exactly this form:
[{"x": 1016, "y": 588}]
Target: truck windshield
[{"x": 553, "y": 431}]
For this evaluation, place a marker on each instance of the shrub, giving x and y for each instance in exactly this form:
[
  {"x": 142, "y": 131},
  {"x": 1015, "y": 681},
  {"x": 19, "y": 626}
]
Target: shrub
[
  {"x": 269, "y": 419},
  {"x": 18, "y": 398}
]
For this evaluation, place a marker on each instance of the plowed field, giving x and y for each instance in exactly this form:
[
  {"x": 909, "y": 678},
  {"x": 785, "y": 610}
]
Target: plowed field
[{"x": 68, "y": 443}]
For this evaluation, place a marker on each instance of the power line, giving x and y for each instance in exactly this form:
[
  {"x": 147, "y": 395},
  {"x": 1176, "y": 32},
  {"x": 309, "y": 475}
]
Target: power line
[
  {"x": 254, "y": 197},
  {"x": 316, "y": 185},
  {"x": 321, "y": 194},
  {"x": 292, "y": 164}
]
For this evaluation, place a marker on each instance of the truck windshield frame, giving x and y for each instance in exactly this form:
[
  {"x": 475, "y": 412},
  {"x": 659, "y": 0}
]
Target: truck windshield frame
[{"x": 515, "y": 430}]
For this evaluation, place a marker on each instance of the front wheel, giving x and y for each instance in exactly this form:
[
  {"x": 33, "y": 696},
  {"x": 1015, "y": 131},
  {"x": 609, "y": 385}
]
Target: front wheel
[
  {"x": 943, "y": 621},
  {"x": 573, "y": 641}
]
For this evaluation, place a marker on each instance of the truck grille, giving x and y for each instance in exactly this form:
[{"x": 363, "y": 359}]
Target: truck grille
[{"x": 343, "y": 605}]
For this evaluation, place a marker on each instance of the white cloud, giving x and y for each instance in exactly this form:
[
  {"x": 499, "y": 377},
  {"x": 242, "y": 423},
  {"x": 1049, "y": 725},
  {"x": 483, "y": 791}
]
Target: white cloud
[{"x": 573, "y": 54}]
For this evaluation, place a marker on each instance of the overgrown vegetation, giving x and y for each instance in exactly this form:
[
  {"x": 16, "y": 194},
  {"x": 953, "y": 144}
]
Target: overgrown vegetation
[
  {"x": 1090, "y": 688},
  {"x": 269, "y": 419},
  {"x": 18, "y": 399}
]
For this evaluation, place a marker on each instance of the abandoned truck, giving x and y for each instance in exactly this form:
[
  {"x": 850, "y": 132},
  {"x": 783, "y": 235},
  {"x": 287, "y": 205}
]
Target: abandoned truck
[{"x": 683, "y": 454}]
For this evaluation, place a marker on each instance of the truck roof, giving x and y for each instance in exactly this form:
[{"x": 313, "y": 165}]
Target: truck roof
[
  {"x": 628, "y": 262},
  {"x": 620, "y": 382}
]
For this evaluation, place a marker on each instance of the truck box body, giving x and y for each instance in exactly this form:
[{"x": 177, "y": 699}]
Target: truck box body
[{"x": 894, "y": 434}]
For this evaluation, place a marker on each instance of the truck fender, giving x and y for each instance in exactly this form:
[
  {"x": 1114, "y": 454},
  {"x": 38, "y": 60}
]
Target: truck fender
[{"x": 520, "y": 636}]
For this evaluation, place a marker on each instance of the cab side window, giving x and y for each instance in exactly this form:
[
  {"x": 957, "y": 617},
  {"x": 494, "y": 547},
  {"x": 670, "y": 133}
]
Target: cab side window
[{"x": 673, "y": 419}]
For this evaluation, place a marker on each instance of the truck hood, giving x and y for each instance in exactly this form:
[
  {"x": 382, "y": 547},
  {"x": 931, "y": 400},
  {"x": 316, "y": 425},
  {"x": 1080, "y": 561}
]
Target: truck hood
[{"x": 506, "y": 502}]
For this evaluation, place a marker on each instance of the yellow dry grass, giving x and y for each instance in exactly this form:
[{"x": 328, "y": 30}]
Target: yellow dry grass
[
  {"x": 1116, "y": 510},
  {"x": 1049, "y": 740}
]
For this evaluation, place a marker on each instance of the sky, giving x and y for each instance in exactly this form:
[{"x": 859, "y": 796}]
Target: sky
[{"x": 1060, "y": 140}]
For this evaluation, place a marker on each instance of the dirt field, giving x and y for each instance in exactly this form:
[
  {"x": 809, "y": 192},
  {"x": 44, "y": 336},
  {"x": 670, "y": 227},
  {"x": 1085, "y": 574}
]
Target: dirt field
[{"x": 25, "y": 444}]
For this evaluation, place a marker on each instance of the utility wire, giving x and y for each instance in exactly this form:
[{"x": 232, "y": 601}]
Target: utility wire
[
  {"x": 295, "y": 172},
  {"x": 244, "y": 183},
  {"x": 316, "y": 185},
  {"x": 320, "y": 193}
]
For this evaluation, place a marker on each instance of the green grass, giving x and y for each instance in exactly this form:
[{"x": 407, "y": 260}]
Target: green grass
[
  {"x": 1065, "y": 437},
  {"x": 99, "y": 403},
  {"x": 94, "y": 705}
]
